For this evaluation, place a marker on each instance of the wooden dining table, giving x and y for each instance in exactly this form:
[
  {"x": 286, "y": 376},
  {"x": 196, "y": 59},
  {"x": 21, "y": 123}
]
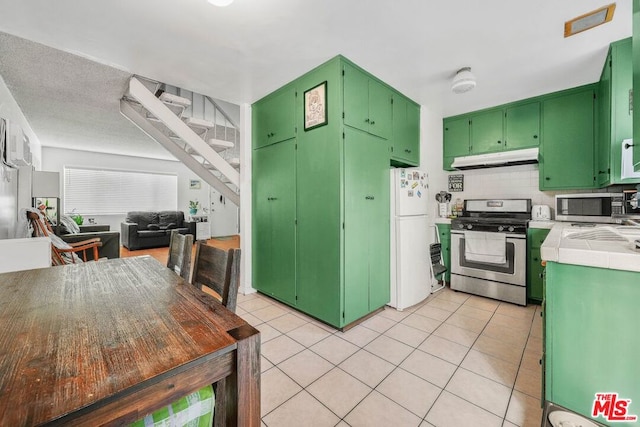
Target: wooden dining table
[{"x": 108, "y": 342}]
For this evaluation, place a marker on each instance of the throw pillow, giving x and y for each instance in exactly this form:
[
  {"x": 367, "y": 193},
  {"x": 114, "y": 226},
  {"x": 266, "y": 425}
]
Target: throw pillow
[
  {"x": 153, "y": 227},
  {"x": 68, "y": 225}
]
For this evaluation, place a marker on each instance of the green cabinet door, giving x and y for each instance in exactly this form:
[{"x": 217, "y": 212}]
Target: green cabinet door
[
  {"x": 567, "y": 159},
  {"x": 636, "y": 80},
  {"x": 486, "y": 132},
  {"x": 366, "y": 225},
  {"x": 455, "y": 140},
  {"x": 367, "y": 103},
  {"x": 603, "y": 144},
  {"x": 274, "y": 237},
  {"x": 356, "y": 98},
  {"x": 274, "y": 118},
  {"x": 444, "y": 234},
  {"x": 522, "y": 126},
  {"x": 380, "y": 114},
  {"x": 405, "y": 140},
  {"x": 535, "y": 270},
  {"x": 592, "y": 339}
]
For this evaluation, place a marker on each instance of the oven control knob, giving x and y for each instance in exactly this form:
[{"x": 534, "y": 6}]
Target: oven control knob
[
  {"x": 460, "y": 225},
  {"x": 469, "y": 226},
  {"x": 511, "y": 229},
  {"x": 500, "y": 228}
]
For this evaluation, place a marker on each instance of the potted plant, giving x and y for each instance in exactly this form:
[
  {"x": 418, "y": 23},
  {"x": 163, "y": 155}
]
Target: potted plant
[{"x": 193, "y": 206}]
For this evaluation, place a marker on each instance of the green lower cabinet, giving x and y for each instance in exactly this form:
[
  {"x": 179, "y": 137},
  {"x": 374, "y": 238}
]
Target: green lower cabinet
[
  {"x": 535, "y": 270},
  {"x": 274, "y": 233},
  {"x": 591, "y": 337},
  {"x": 444, "y": 234}
]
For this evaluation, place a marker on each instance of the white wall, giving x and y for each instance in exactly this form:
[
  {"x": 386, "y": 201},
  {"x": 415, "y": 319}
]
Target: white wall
[
  {"x": 9, "y": 205},
  {"x": 55, "y": 159}
]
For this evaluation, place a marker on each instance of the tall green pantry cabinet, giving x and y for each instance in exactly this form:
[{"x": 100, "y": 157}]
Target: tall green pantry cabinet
[{"x": 321, "y": 207}]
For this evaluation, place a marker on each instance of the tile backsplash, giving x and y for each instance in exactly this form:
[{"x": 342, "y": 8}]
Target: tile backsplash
[{"x": 512, "y": 182}]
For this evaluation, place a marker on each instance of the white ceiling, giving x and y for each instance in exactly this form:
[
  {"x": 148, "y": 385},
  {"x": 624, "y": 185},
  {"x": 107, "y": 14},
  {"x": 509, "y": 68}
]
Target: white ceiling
[{"x": 242, "y": 52}]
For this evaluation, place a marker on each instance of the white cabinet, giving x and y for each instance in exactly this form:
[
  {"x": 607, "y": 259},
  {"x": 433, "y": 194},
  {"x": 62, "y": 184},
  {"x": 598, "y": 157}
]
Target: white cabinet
[{"x": 203, "y": 232}]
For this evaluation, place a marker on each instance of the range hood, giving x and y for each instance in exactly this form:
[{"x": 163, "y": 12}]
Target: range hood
[{"x": 492, "y": 160}]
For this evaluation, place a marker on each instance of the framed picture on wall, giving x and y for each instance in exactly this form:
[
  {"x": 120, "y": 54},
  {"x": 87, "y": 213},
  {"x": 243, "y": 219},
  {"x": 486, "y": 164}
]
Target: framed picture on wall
[
  {"x": 315, "y": 106},
  {"x": 194, "y": 184}
]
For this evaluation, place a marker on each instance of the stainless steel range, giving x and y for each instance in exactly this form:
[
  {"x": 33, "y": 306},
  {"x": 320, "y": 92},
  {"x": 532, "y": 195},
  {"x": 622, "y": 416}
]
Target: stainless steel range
[{"x": 489, "y": 249}]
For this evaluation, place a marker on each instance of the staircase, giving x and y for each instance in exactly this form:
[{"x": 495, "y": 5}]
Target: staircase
[{"x": 190, "y": 126}]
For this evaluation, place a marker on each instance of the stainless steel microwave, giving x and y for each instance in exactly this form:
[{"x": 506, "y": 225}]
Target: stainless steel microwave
[{"x": 589, "y": 207}]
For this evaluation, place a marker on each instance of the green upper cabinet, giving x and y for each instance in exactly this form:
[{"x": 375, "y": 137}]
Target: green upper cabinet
[
  {"x": 615, "y": 113},
  {"x": 405, "y": 141},
  {"x": 508, "y": 127},
  {"x": 567, "y": 151},
  {"x": 455, "y": 140},
  {"x": 486, "y": 132},
  {"x": 636, "y": 80},
  {"x": 367, "y": 103},
  {"x": 274, "y": 117},
  {"x": 522, "y": 126}
]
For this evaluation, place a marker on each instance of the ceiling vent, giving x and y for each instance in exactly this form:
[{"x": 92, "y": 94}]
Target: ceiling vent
[{"x": 589, "y": 20}]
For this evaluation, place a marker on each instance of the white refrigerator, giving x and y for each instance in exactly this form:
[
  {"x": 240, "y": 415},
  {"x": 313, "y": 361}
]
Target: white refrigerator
[{"x": 410, "y": 271}]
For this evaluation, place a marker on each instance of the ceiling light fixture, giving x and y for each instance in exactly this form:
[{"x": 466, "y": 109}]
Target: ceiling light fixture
[
  {"x": 589, "y": 20},
  {"x": 220, "y": 3},
  {"x": 463, "y": 81}
]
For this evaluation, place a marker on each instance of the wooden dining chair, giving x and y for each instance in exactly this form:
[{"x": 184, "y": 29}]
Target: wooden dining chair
[
  {"x": 180, "y": 246},
  {"x": 61, "y": 251},
  {"x": 218, "y": 270}
]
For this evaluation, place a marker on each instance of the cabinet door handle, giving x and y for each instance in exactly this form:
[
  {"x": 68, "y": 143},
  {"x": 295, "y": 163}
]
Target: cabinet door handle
[
  {"x": 272, "y": 198},
  {"x": 536, "y": 259},
  {"x": 547, "y": 178},
  {"x": 535, "y": 136},
  {"x": 366, "y": 120},
  {"x": 369, "y": 197},
  {"x": 406, "y": 150},
  {"x": 499, "y": 142},
  {"x": 372, "y": 122}
]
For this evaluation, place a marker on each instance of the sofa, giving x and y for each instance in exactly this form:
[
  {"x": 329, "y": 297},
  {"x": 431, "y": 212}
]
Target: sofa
[
  {"x": 110, "y": 239},
  {"x": 145, "y": 229}
]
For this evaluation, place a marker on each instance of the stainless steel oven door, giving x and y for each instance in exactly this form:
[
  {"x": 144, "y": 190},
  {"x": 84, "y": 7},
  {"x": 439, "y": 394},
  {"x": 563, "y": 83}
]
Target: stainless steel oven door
[{"x": 512, "y": 272}]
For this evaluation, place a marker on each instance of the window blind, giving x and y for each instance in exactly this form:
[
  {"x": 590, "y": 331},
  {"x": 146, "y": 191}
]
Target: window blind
[{"x": 108, "y": 192}]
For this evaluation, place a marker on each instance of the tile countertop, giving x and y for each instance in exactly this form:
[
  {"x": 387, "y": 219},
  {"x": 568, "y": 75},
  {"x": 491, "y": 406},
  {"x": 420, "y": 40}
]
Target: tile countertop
[
  {"x": 440, "y": 220},
  {"x": 542, "y": 224},
  {"x": 590, "y": 247}
]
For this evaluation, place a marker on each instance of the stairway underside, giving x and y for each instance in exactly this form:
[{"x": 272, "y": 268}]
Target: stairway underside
[{"x": 182, "y": 140}]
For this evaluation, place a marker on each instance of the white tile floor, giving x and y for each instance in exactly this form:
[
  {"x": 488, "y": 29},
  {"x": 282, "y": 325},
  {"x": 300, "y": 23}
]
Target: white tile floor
[{"x": 454, "y": 360}]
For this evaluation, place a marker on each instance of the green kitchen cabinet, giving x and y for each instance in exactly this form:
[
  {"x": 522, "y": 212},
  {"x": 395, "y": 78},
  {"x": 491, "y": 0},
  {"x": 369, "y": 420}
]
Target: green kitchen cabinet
[
  {"x": 455, "y": 140},
  {"x": 367, "y": 103},
  {"x": 486, "y": 132},
  {"x": 615, "y": 113},
  {"x": 274, "y": 204},
  {"x": 273, "y": 117},
  {"x": 366, "y": 225},
  {"x": 591, "y": 336},
  {"x": 405, "y": 140},
  {"x": 522, "y": 126},
  {"x": 444, "y": 234},
  {"x": 340, "y": 187},
  {"x": 567, "y": 149},
  {"x": 636, "y": 80},
  {"x": 508, "y": 127},
  {"x": 535, "y": 270}
]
